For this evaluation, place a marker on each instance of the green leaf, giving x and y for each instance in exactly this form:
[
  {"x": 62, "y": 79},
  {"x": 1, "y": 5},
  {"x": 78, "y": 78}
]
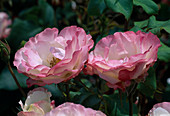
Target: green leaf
[
  {"x": 148, "y": 87},
  {"x": 86, "y": 82},
  {"x": 96, "y": 7},
  {"x": 67, "y": 11},
  {"x": 122, "y": 6},
  {"x": 118, "y": 106},
  {"x": 47, "y": 12},
  {"x": 149, "y": 6},
  {"x": 90, "y": 100},
  {"x": 43, "y": 14},
  {"x": 115, "y": 111},
  {"x": 7, "y": 82},
  {"x": 32, "y": 14},
  {"x": 141, "y": 24},
  {"x": 135, "y": 29},
  {"x": 155, "y": 31},
  {"x": 87, "y": 99},
  {"x": 54, "y": 90},
  {"x": 21, "y": 30},
  {"x": 164, "y": 53},
  {"x": 153, "y": 23},
  {"x": 163, "y": 11}
]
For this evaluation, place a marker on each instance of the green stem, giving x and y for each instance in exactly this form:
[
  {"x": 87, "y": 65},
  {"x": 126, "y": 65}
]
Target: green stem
[
  {"x": 130, "y": 97},
  {"x": 15, "y": 79},
  {"x": 126, "y": 25},
  {"x": 130, "y": 105}
]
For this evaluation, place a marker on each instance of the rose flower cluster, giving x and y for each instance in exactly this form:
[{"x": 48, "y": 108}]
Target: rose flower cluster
[
  {"x": 53, "y": 57},
  {"x": 50, "y": 57}
]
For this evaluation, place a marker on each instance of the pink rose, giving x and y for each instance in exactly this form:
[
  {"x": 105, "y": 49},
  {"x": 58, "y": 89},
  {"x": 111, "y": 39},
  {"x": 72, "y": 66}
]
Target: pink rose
[
  {"x": 160, "y": 109},
  {"x": 38, "y": 103},
  {"x": 50, "y": 57},
  {"x": 71, "y": 109},
  {"x": 122, "y": 57},
  {"x": 4, "y": 23}
]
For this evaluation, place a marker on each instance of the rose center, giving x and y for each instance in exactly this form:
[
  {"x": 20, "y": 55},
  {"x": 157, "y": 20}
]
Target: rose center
[{"x": 54, "y": 61}]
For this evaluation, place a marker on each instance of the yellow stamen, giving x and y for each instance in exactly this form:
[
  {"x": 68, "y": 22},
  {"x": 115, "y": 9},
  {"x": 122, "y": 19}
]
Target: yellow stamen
[{"x": 54, "y": 61}]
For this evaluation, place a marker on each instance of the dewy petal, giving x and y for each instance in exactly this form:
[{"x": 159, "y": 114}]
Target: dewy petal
[{"x": 122, "y": 57}]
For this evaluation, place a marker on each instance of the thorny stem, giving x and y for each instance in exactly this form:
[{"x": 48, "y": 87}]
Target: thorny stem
[
  {"x": 15, "y": 79},
  {"x": 120, "y": 94},
  {"x": 141, "y": 104},
  {"x": 130, "y": 105}
]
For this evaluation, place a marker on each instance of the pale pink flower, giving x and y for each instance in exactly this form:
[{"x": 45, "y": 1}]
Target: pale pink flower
[
  {"x": 160, "y": 109},
  {"x": 122, "y": 57},
  {"x": 4, "y": 23},
  {"x": 38, "y": 103},
  {"x": 50, "y": 57},
  {"x": 71, "y": 109}
]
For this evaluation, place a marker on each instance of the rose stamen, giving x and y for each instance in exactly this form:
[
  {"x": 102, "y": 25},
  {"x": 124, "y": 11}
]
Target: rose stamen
[{"x": 54, "y": 61}]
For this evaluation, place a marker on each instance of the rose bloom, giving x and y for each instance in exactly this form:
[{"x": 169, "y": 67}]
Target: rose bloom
[
  {"x": 122, "y": 57},
  {"x": 38, "y": 103},
  {"x": 160, "y": 109},
  {"x": 4, "y": 23},
  {"x": 50, "y": 57},
  {"x": 71, "y": 109}
]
